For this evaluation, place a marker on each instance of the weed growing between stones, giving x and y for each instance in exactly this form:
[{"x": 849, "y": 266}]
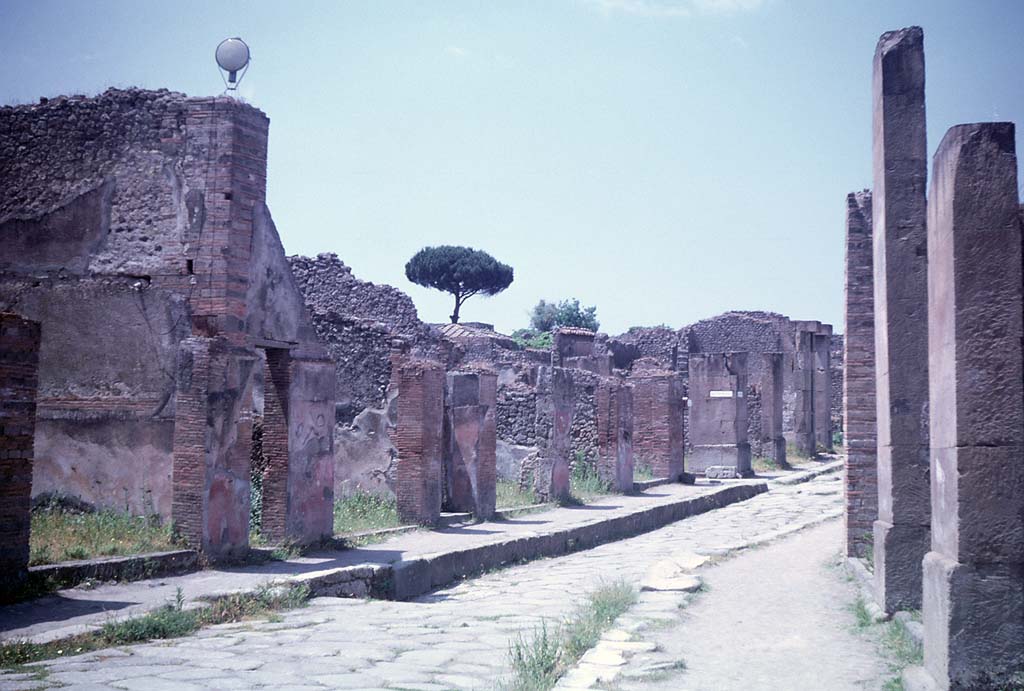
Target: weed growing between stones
[
  {"x": 861, "y": 613},
  {"x": 363, "y": 511},
  {"x": 643, "y": 472},
  {"x": 538, "y": 661},
  {"x": 585, "y": 483},
  {"x": 60, "y": 533},
  {"x": 509, "y": 495},
  {"x": 761, "y": 464},
  {"x": 170, "y": 621}
]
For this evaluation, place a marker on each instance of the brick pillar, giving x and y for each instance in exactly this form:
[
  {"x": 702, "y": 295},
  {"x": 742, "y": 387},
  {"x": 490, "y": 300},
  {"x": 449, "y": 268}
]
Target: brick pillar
[
  {"x": 823, "y": 388},
  {"x": 226, "y": 171},
  {"x": 470, "y": 460},
  {"x": 19, "y": 363},
  {"x": 555, "y": 400},
  {"x": 212, "y": 442},
  {"x": 859, "y": 415},
  {"x": 773, "y": 443},
  {"x": 658, "y": 422},
  {"x": 974, "y": 573},
  {"x": 718, "y": 413},
  {"x": 901, "y": 318},
  {"x": 615, "y": 433},
  {"x": 276, "y": 384},
  {"x": 803, "y": 382},
  {"x": 418, "y": 437}
]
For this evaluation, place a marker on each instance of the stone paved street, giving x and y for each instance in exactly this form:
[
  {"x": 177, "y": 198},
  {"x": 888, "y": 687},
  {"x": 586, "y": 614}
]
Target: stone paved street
[{"x": 454, "y": 638}]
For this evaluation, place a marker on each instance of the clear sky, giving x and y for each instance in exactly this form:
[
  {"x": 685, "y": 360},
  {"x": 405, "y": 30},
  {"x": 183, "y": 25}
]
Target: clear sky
[{"x": 666, "y": 160}]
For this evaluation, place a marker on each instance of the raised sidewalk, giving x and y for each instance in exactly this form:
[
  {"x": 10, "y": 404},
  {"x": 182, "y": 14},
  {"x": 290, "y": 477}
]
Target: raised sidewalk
[{"x": 402, "y": 567}]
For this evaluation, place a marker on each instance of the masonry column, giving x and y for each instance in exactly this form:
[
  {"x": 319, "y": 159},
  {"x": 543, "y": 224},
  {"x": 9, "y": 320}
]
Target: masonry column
[
  {"x": 19, "y": 378},
  {"x": 210, "y": 501},
  {"x": 470, "y": 465},
  {"x": 718, "y": 416},
  {"x": 823, "y": 388},
  {"x": 615, "y": 434},
  {"x": 859, "y": 414},
  {"x": 310, "y": 515},
  {"x": 803, "y": 380},
  {"x": 419, "y": 438},
  {"x": 555, "y": 397},
  {"x": 773, "y": 443},
  {"x": 974, "y": 573},
  {"x": 901, "y": 318}
]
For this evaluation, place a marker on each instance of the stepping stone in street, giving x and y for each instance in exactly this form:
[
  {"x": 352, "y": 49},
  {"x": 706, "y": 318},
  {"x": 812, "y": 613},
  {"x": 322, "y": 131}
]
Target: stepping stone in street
[{"x": 668, "y": 575}]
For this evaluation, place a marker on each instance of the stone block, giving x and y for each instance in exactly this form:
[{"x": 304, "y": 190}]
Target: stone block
[
  {"x": 555, "y": 404},
  {"x": 721, "y": 472}
]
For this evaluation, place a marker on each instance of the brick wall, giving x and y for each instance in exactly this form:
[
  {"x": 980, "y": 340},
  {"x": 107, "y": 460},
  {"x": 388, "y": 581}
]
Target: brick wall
[
  {"x": 658, "y": 422},
  {"x": 859, "y": 413},
  {"x": 19, "y": 359},
  {"x": 615, "y": 433},
  {"x": 276, "y": 383}
]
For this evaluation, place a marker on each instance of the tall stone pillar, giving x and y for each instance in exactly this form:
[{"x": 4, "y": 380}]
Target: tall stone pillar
[
  {"x": 310, "y": 515},
  {"x": 859, "y": 414},
  {"x": 974, "y": 573},
  {"x": 615, "y": 433},
  {"x": 773, "y": 443},
  {"x": 555, "y": 402},
  {"x": 803, "y": 381},
  {"x": 19, "y": 378},
  {"x": 718, "y": 416},
  {"x": 210, "y": 501},
  {"x": 901, "y": 318},
  {"x": 823, "y": 388},
  {"x": 470, "y": 443}
]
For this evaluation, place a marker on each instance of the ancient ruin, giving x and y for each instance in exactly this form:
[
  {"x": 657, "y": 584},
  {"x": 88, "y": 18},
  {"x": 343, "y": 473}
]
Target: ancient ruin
[
  {"x": 163, "y": 360},
  {"x": 901, "y": 324}
]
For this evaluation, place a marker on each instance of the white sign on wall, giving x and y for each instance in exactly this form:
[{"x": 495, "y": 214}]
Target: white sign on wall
[{"x": 721, "y": 394}]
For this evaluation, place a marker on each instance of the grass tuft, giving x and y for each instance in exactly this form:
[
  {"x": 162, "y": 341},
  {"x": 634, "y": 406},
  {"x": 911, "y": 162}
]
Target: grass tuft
[
  {"x": 642, "y": 472},
  {"x": 170, "y": 621},
  {"x": 61, "y": 534},
  {"x": 362, "y": 511},
  {"x": 510, "y": 495},
  {"x": 584, "y": 482},
  {"x": 538, "y": 661}
]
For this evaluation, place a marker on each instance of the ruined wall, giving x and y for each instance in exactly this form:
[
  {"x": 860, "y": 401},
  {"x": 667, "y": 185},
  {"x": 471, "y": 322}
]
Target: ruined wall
[
  {"x": 517, "y": 412},
  {"x": 357, "y": 320},
  {"x": 135, "y": 220}
]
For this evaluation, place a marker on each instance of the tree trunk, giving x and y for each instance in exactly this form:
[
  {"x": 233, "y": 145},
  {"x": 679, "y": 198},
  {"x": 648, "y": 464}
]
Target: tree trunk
[{"x": 455, "y": 314}]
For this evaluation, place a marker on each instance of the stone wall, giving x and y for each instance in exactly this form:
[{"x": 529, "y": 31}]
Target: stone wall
[
  {"x": 837, "y": 352},
  {"x": 517, "y": 412}
]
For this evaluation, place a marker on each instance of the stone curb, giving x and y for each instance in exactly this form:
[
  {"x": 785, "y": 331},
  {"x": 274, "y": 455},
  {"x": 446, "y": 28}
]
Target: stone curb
[
  {"x": 419, "y": 576},
  {"x": 68, "y": 574},
  {"x": 833, "y": 467},
  {"x": 866, "y": 582}
]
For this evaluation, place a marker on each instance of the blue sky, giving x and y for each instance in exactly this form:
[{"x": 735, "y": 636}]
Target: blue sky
[{"x": 666, "y": 160}]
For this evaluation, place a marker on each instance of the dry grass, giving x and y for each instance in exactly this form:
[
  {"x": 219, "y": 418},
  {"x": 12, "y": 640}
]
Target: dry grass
[{"x": 60, "y": 534}]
